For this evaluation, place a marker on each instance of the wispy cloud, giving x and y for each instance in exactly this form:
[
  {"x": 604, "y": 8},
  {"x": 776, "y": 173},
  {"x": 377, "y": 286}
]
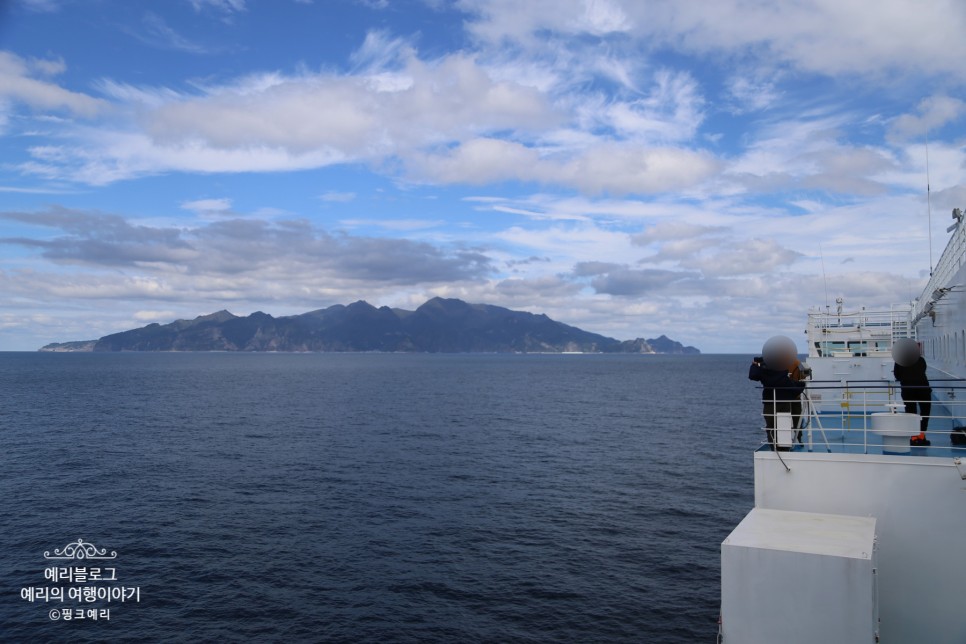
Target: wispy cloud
[
  {"x": 157, "y": 33},
  {"x": 822, "y": 36},
  {"x": 225, "y": 6},
  {"x": 210, "y": 207},
  {"x": 43, "y": 6},
  {"x": 334, "y": 196},
  {"x": 408, "y": 225}
]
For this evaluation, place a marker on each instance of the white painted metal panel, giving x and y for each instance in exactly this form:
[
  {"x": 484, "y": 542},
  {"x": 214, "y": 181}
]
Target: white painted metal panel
[
  {"x": 920, "y": 508},
  {"x": 783, "y": 429},
  {"x": 799, "y": 577}
]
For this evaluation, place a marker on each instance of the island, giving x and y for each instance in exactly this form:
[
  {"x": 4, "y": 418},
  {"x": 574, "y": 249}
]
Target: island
[{"x": 440, "y": 325}]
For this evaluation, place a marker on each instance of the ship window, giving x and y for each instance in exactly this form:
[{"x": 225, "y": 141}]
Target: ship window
[
  {"x": 858, "y": 348},
  {"x": 828, "y": 347}
]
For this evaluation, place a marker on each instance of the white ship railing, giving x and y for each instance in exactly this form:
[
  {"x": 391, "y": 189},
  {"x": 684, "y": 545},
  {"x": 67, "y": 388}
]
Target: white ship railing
[
  {"x": 858, "y": 333},
  {"x": 850, "y": 322},
  {"x": 838, "y": 417}
]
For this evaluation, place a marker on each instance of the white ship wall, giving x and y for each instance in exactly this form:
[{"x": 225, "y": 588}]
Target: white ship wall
[
  {"x": 944, "y": 338},
  {"x": 941, "y": 310},
  {"x": 919, "y": 504}
]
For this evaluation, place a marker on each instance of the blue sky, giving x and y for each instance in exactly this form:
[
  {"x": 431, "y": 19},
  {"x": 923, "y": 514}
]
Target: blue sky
[{"x": 632, "y": 167}]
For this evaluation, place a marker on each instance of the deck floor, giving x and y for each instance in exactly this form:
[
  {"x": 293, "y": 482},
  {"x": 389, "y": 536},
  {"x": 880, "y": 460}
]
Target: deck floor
[{"x": 855, "y": 439}]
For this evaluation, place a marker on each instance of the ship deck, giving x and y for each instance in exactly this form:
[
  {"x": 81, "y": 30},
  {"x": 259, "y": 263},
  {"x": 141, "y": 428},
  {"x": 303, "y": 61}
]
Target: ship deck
[{"x": 857, "y": 441}]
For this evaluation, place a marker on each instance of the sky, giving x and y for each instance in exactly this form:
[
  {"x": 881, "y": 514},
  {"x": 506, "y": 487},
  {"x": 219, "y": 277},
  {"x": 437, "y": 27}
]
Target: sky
[{"x": 704, "y": 170}]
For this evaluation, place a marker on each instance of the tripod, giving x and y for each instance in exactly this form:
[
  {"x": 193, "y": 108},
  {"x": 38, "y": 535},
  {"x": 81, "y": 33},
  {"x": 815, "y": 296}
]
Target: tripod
[{"x": 809, "y": 411}]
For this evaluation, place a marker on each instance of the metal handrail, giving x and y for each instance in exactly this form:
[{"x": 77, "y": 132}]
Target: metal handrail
[{"x": 848, "y": 416}]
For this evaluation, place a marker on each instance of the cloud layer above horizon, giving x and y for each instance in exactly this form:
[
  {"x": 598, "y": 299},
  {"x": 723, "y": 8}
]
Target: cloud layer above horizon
[{"x": 708, "y": 171}]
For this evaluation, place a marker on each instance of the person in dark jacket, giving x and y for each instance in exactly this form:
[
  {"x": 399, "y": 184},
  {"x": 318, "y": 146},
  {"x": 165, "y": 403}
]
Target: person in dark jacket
[
  {"x": 778, "y": 394},
  {"x": 916, "y": 392}
]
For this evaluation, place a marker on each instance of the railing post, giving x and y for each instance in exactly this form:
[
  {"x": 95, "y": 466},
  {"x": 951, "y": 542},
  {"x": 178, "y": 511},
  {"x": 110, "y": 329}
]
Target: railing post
[{"x": 865, "y": 422}]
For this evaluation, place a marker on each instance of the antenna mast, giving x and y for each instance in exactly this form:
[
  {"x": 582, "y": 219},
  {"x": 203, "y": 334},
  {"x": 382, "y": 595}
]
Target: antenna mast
[
  {"x": 929, "y": 207},
  {"x": 824, "y": 276}
]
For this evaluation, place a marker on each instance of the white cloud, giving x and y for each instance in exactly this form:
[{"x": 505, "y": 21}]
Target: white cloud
[
  {"x": 753, "y": 95},
  {"x": 626, "y": 169},
  {"x": 136, "y": 96},
  {"x": 568, "y": 244},
  {"x": 34, "y": 191},
  {"x": 380, "y": 51},
  {"x": 158, "y": 33},
  {"x": 337, "y": 197},
  {"x": 601, "y": 17},
  {"x": 479, "y": 161},
  {"x": 933, "y": 113},
  {"x": 270, "y": 121},
  {"x": 47, "y": 67},
  {"x": 753, "y": 256},
  {"x": 407, "y": 225},
  {"x": 606, "y": 168},
  {"x": 496, "y": 20},
  {"x": 832, "y": 37},
  {"x": 825, "y": 36},
  {"x": 103, "y": 157},
  {"x": 225, "y": 6},
  {"x": 811, "y": 153},
  {"x": 154, "y": 316},
  {"x": 438, "y": 102},
  {"x": 209, "y": 207},
  {"x": 16, "y": 84},
  {"x": 671, "y": 112},
  {"x": 665, "y": 231}
]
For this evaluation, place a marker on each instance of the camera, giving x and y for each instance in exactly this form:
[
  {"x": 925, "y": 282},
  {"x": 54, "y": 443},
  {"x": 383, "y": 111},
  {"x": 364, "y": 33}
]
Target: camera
[{"x": 806, "y": 371}]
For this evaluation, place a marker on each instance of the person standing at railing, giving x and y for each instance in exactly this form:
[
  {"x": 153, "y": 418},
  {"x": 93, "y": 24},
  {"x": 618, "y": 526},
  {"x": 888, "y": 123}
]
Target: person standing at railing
[
  {"x": 778, "y": 391},
  {"x": 910, "y": 372}
]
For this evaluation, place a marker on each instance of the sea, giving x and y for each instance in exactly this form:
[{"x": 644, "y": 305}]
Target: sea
[{"x": 367, "y": 497}]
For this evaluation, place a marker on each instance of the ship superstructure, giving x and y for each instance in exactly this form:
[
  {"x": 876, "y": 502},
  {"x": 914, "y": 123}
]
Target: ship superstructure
[
  {"x": 856, "y": 534},
  {"x": 853, "y": 347}
]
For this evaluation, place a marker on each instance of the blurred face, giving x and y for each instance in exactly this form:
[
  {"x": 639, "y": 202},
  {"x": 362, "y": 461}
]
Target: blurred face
[
  {"x": 779, "y": 352},
  {"x": 905, "y": 352}
]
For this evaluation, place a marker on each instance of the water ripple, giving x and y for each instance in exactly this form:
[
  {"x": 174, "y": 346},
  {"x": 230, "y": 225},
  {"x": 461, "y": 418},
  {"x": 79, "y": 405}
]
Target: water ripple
[{"x": 373, "y": 498}]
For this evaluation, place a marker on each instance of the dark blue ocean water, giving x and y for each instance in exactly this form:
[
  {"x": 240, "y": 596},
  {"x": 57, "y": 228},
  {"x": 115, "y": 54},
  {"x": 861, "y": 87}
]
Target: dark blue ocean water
[{"x": 376, "y": 497}]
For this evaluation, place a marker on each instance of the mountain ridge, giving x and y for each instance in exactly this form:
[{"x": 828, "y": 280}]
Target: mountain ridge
[{"x": 439, "y": 325}]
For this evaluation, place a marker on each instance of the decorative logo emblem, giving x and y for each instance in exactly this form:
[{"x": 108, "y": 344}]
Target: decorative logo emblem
[{"x": 80, "y": 550}]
